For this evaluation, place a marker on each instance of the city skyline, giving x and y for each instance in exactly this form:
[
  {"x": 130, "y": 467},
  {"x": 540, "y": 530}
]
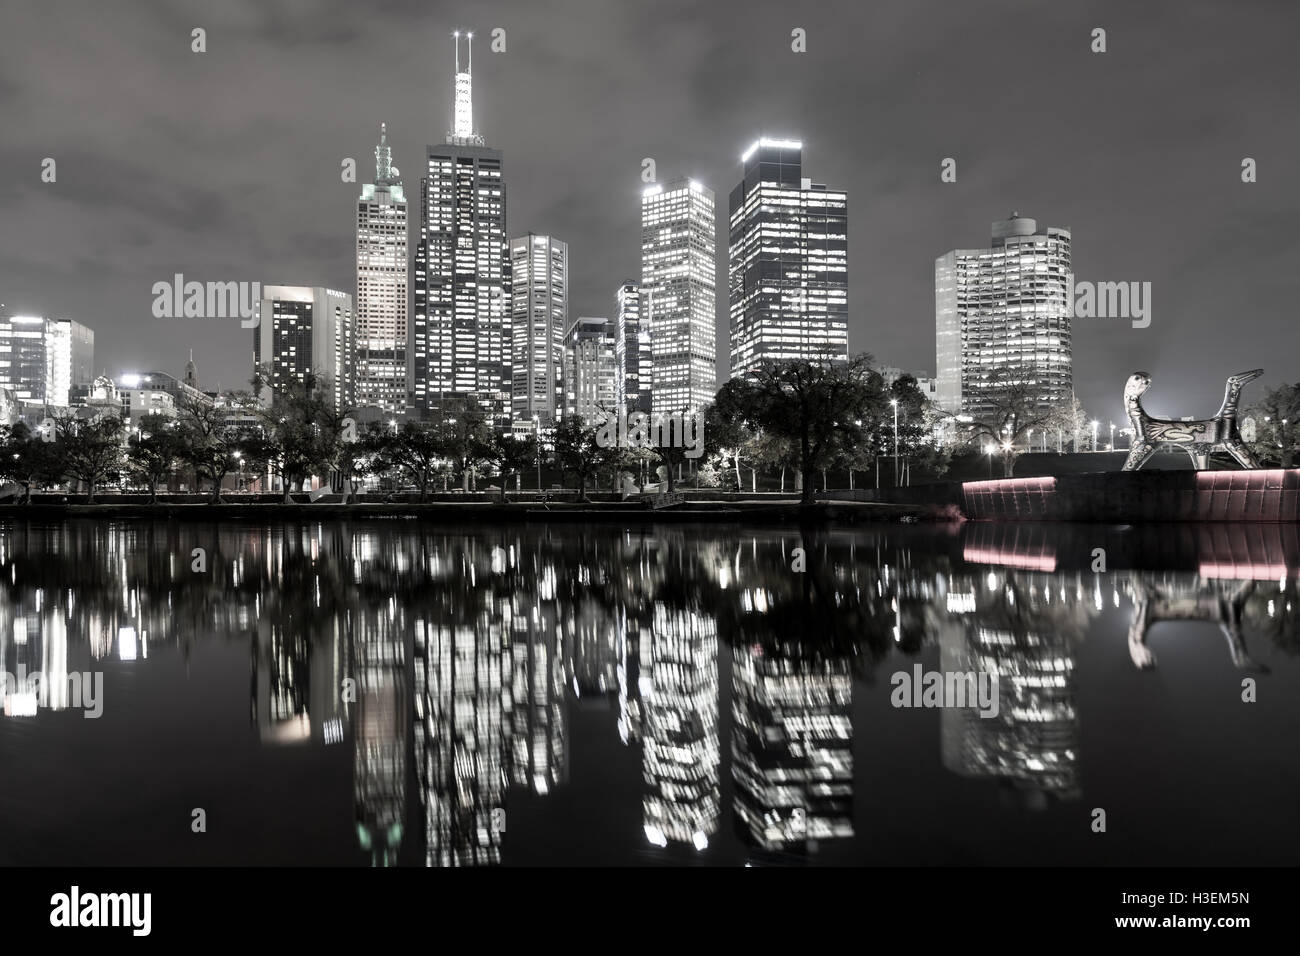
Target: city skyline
[{"x": 1116, "y": 156}]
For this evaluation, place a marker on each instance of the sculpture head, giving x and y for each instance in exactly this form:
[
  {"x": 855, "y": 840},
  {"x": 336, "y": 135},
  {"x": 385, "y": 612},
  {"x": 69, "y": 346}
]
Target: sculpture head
[
  {"x": 1137, "y": 383},
  {"x": 1241, "y": 378}
]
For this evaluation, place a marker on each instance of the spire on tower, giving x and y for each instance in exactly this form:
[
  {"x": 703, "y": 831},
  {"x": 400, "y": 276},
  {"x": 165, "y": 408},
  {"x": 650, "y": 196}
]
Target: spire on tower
[{"x": 462, "y": 131}]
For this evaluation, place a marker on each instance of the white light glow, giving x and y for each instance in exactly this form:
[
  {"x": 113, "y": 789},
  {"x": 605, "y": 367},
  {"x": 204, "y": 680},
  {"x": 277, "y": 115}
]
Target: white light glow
[{"x": 770, "y": 144}]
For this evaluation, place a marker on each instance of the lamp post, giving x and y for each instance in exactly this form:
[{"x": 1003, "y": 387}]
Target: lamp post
[
  {"x": 1094, "y": 423},
  {"x": 1112, "y": 436},
  {"x": 537, "y": 436},
  {"x": 894, "y": 402},
  {"x": 989, "y": 451}
]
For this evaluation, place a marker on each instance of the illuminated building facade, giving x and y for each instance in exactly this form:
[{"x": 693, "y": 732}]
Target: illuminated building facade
[
  {"x": 788, "y": 254},
  {"x": 381, "y": 303},
  {"x": 591, "y": 369},
  {"x": 678, "y": 293},
  {"x": 306, "y": 330},
  {"x": 1002, "y": 317},
  {"x": 41, "y": 358},
  {"x": 633, "y": 354},
  {"x": 539, "y": 314},
  {"x": 460, "y": 338}
]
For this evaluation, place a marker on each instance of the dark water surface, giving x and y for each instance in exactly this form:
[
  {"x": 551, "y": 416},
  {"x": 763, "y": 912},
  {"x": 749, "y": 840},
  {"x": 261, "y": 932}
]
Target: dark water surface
[{"x": 386, "y": 692}]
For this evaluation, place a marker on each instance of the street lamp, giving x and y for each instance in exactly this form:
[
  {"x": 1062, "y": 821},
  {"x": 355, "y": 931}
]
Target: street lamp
[
  {"x": 1112, "y": 436},
  {"x": 1094, "y": 423},
  {"x": 537, "y": 437},
  {"x": 894, "y": 402},
  {"x": 988, "y": 449}
]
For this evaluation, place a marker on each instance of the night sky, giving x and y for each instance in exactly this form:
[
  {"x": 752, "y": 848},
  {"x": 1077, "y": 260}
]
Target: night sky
[{"x": 225, "y": 165}]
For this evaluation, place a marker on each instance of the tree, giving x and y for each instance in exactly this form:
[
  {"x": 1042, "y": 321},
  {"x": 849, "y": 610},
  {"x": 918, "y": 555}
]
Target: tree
[
  {"x": 776, "y": 452},
  {"x": 819, "y": 406},
  {"x": 90, "y": 450},
  {"x": 1008, "y": 409},
  {"x": 26, "y": 459},
  {"x": 304, "y": 431},
  {"x": 1277, "y": 425},
  {"x": 152, "y": 453},
  {"x": 577, "y": 452},
  {"x": 207, "y": 443},
  {"x": 416, "y": 451},
  {"x": 513, "y": 454},
  {"x": 466, "y": 438},
  {"x": 729, "y": 423}
]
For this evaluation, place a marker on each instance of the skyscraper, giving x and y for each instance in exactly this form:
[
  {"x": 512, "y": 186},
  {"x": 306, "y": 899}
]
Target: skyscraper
[
  {"x": 590, "y": 369},
  {"x": 460, "y": 273},
  {"x": 632, "y": 349},
  {"x": 678, "y": 294},
  {"x": 539, "y": 314},
  {"x": 45, "y": 357},
  {"x": 1002, "y": 318},
  {"x": 302, "y": 330},
  {"x": 381, "y": 302},
  {"x": 788, "y": 261}
]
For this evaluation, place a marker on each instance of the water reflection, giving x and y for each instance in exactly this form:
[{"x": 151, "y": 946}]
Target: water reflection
[{"x": 452, "y": 664}]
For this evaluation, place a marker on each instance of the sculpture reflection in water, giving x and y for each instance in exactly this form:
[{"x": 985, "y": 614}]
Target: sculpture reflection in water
[{"x": 470, "y": 653}]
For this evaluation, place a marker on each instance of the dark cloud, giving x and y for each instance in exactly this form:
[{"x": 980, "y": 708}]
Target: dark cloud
[{"x": 225, "y": 165}]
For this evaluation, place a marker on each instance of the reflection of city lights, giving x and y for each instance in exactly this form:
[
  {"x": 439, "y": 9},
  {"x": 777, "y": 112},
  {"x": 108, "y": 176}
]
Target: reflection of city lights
[
  {"x": 126, "y": 647},
  {"x": 700, "y": 840},
  {"x": 655, "y": 835}
]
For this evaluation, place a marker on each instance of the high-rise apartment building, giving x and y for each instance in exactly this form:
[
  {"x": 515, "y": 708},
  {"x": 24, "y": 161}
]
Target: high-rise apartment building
[
  {"x": 381, "y": 302},
  {"x": 678, "y": 293},
  {"x": 302, "y": 330},
  {"x": 632, "y": 349},
  {"x": 539, "y": 314},
  {"x": 460, "y": 337},
  {"x": 591, "y": 369},
  {"x": 42, "y": 358},
  {"x": 1002, "y": 318},
  {"x": 788, "y": 262}
]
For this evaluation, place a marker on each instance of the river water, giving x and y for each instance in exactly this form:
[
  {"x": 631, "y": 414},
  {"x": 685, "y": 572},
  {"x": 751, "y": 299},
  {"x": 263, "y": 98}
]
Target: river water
[{"x": 397, "y": 693}]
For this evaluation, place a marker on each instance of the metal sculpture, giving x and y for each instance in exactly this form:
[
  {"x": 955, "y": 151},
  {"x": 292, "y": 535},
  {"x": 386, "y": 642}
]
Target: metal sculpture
[{"x": 1197, "y": 438}]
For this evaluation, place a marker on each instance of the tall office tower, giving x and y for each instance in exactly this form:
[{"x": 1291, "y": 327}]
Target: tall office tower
[
  {"x": 788, "y": 273},
  {"x": 632, "y": 343},
  {"x": 44, "y": 358},
  {"x": 460, "y": 274},
  {"x": 539, "y": 314},
  {"x": 301, "y": 330},
  {"x": 1002, "y": 318},
  {"x": 590, "y": 369},
  {"x": 678, "y": 296},
  {"x": 381, "y": 302}
]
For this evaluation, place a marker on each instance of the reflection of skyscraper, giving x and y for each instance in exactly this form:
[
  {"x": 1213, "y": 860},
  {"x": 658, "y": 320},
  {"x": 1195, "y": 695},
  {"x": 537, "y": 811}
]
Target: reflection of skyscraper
[
  {"x": 792, "y": 748},
  {"x": 679, "y": 687},
  {"x": 1033, "y": 741},
  {"x": 458, "y": 688},
  {"x": 381, "y": 734},
  {"x": 535, "y": 702}
]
